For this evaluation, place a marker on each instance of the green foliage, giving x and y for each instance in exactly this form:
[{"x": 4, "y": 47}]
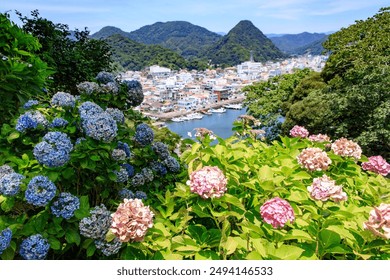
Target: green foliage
[
  {"x": 22, "y": 73},
  {"x": 231, "y": 227},
  {"x": 269, "y": 101},
  {"x": 358, "y": 77},
  {"x": 135, "y": 56},
  {"x": 89, "y": 174},
  {"x": 75, "y": 58},
  {"x": 235, "y": 47}
]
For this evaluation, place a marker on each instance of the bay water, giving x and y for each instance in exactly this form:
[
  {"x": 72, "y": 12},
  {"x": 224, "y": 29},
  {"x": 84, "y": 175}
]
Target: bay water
[{"x": 219, "y": 123}]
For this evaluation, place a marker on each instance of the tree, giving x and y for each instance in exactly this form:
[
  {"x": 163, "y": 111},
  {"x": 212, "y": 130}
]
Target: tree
[
  {"x": 73, "y": 55},
  {"x": 358, "y": 77},
  {"x": 269, "y": 101},
  {"x": 22, "y": 73}
]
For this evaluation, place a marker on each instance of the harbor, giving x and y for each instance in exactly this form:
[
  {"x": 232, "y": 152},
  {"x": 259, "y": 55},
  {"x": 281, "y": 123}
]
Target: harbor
[{"x": 206, "y": 109}]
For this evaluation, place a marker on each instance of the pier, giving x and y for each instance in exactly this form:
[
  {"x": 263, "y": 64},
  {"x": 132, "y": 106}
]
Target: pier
[{"x": 175, "y": 114}]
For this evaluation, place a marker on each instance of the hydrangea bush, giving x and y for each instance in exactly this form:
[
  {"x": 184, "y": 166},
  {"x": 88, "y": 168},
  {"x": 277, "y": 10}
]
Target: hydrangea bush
[
  {"x": 68, "y": 164},
  {"x": 294, "y": 198}
]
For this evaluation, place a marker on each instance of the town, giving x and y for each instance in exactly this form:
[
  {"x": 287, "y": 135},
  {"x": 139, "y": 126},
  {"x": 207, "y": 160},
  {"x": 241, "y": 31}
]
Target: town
[{"x": 183, "y": 95}]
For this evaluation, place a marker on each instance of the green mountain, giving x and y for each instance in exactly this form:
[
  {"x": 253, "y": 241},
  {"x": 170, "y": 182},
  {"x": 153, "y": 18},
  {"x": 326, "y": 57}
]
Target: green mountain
[
  {"x": 235, "y": 47},
  {"x": 187, "y": 39},
  {"x": 136, "y": 56},
  {"x": 290, "y": 43},
  {"x": 314, "y": 48}
]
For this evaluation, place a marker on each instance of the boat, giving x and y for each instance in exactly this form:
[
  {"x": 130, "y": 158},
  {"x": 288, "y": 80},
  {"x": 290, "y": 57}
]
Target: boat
[
  {"x": 204, "y": 112},
  {"x": 195, "y": 116},
  {"x": 234, "y": 106},
  {"x": 219, "y": 110},
  {"x": 179, "y": 119}
]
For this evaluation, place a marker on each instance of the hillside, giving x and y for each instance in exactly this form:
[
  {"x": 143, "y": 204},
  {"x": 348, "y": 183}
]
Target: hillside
[
  {"x": 187, "y": 39},
  {"x": 314, "y": 48},
  {"x": 135, "y": 56},
  {"x": 235, "y": 47},
  {"x": 289, "y": 43}
]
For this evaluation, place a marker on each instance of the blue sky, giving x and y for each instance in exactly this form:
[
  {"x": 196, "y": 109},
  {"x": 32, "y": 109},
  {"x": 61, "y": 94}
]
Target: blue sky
[{"x": 270, "y": 16}]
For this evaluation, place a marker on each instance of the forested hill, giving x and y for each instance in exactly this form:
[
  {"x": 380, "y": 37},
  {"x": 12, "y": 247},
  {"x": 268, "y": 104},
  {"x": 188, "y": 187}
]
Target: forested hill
[
  {"x": 136, "y": 56},
  {"x": 299, "y": 43},
  {"x": 186, "y": 39},
  {"x": 235, "y": 47}
]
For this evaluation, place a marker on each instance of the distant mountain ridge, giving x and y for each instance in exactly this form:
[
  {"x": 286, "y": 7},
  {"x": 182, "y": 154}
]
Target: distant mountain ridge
[
  {"x": 295, "y": 43},
  {"x": 195, "y": 43}
]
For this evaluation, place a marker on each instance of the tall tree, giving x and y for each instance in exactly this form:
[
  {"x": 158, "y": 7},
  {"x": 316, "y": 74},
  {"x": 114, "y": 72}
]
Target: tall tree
[
  {"x": 73, "y": 55},
  {"x": 22, "y": 73}
]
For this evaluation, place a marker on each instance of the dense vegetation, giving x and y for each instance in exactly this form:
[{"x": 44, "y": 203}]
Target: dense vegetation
[
  {"x": 74, "y": 59},
  {"x": 235, "y": 47},
  {"x": 22, "y": 73},
  {"x": 135, "y": 56},
  {"x": 295, "y": 43},
  {"x": 349, "y": 98}
]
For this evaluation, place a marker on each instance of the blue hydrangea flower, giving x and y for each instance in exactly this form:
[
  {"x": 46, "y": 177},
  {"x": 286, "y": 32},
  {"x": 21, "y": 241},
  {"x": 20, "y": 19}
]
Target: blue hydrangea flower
[
  {"x": 135, "y": 94},
  {"x": 144, "y": 135},
  {"x": 125, "y": 147},
  {"x": 34, "y": 247},
  {"x": 40, "y": 190},
  {"x": 5, "y": 239},
  {"x": 159, "y": 168},
  {"x": 148, "y": 174},
  {"x": 63, "y": 99},
  {"x": 30, "y": 120},
  {"x": 10, "y": 184},
  {"x": 104, "y": 77},
  {"x": 172, "y": 164},
  {"x": 118, "y": 155},
  {"x": 54, "y": 150},
  {"x": 110, "y": 87},
  {"x": 121, "y": 175},
  {"x": 129, "y": 168},
  {"x": 87, "y": 88},
  {"x": 126, "y": 193},
  {"x": 59, "y": 122},
  {"x": 138, "y": 180},
  {"x": 30, "y": 103},
  {"x": 116, "y": 114},
  {"x": 5, "y": 169},
  {"x": 140, "y": 195},
  {"x": 88, "y": 109},
  {"x": 97, "y": 225},
  {"x": 161, "y": 150},
  {"x": 65, "y": 205},
  {"x": 108, "y": 248},
  {"x": 100, "y": 127}
]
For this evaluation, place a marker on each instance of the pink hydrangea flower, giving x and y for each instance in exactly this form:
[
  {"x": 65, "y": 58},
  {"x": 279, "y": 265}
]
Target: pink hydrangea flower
[
  {"x": 277, "y": 212},
  {"x": 379, "y": 221},
  {"x": 208, "y": 182},
  {"x": 319, "y": 138},
  {"x": 299, "y": 131},
  {"x": 345, "y": 147},
  {"x": 314, "y": 159},
  {"x": 131, "y": 220},
  {"x": 377, "y": 164},
  {"x": 323, "y": 188}
]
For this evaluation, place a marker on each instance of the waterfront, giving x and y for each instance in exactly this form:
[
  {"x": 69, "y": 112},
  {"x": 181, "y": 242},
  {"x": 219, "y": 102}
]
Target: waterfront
[{"x": 220, "y": 123}]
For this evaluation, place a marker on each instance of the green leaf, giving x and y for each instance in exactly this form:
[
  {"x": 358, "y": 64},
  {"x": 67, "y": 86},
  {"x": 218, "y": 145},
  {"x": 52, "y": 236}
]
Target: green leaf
[
  {"x": 14, "y": 135},
  {"x": 72, "y": 236},
  {"x": 329, "y": 238},
  {"x": 230, "y": 246},
  {"x": 55, "y": 244},
  {"x": 288, "y": 252}
]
